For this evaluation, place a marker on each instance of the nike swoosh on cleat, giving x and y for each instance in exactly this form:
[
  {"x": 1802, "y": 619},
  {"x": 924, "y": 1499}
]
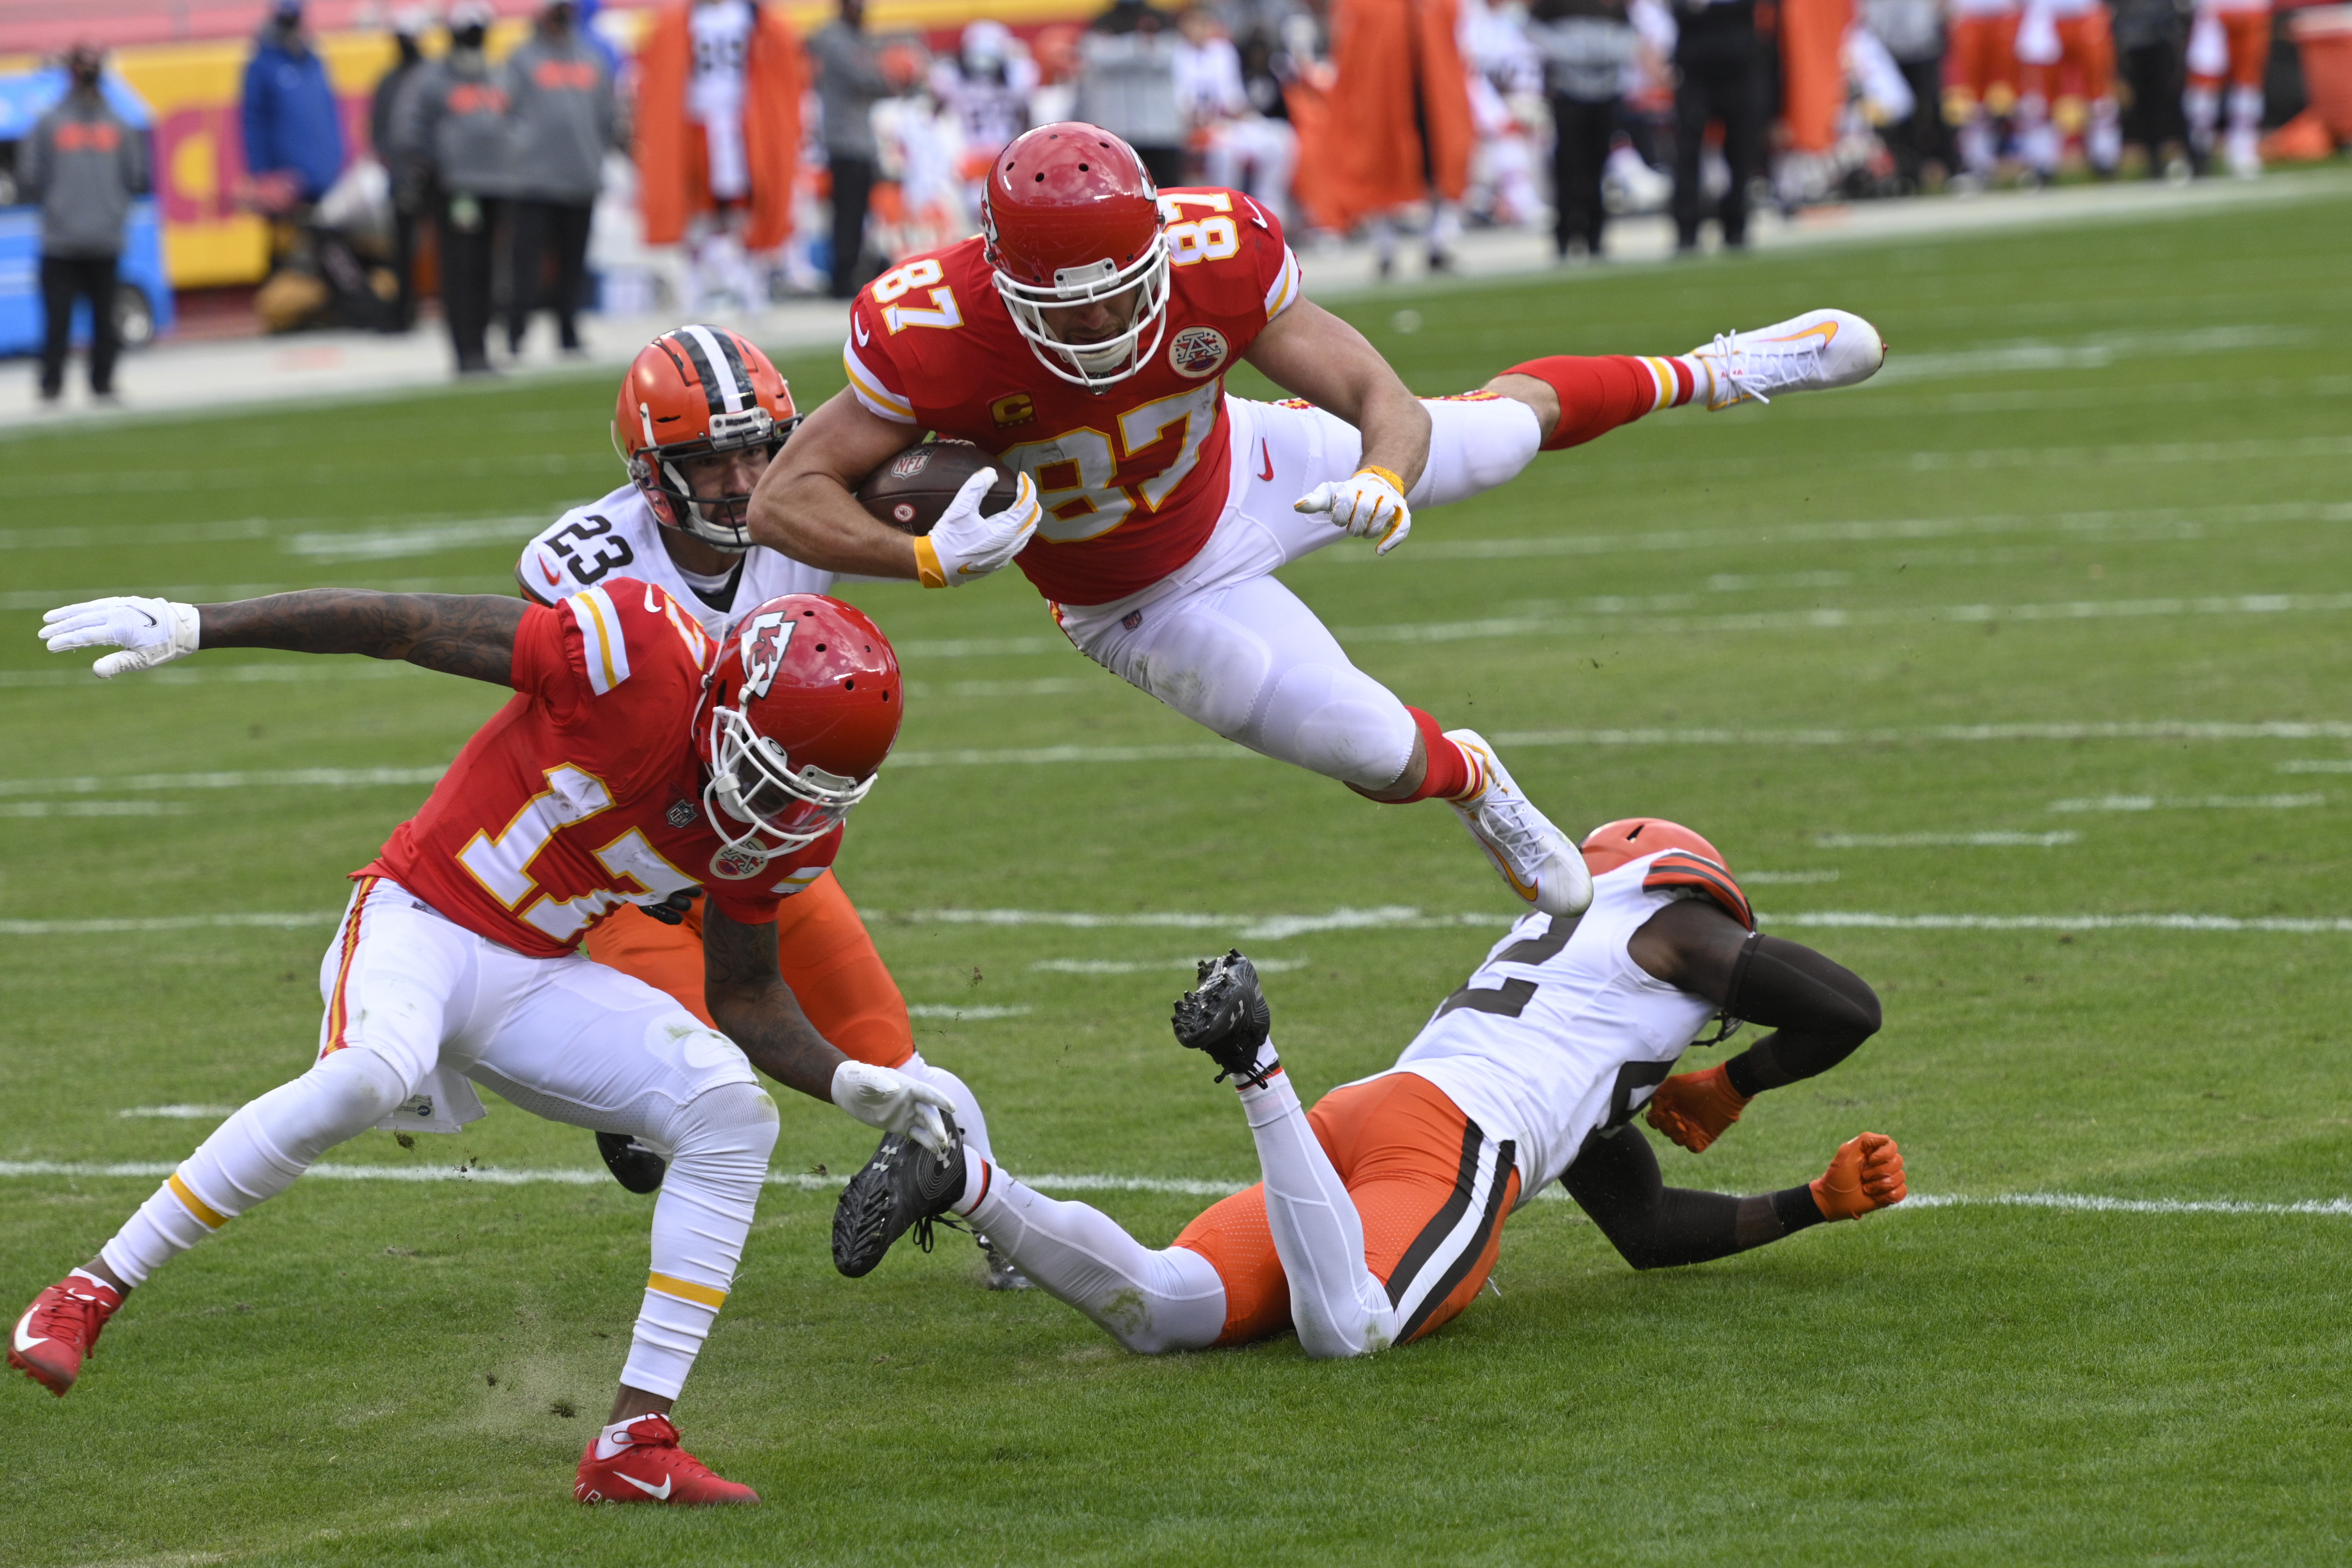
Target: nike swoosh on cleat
[
  {"x": 26, "y": 1342},
  {"x": 1827, "y": 330},
  {"x": 661, "y": 1494}
]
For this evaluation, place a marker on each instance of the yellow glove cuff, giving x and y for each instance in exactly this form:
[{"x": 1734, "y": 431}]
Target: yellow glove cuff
[
  {"x": 927, "y": 564},
  {"x": 1396, "y": 483}
]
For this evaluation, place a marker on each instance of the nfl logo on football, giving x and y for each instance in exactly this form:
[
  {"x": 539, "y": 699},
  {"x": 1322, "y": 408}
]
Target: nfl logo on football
[{"x": 1197, "y": 352}]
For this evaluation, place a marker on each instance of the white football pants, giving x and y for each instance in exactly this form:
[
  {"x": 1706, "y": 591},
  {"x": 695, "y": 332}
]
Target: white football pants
[
  {"x": 1223, "y": 644},
  {"x": 410, "y": 995}
]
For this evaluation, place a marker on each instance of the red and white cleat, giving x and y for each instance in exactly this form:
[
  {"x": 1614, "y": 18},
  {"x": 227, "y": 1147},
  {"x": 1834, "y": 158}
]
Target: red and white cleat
[
  {"x": 653, "y": 1469},
  {"x": 59, "y": 1329}
]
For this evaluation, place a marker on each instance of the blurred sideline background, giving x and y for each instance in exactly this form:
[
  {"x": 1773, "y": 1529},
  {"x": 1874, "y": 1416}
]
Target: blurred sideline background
[{"x": 714, "y": 159}]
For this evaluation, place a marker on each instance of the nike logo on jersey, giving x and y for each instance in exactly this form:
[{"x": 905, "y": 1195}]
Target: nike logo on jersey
[
  {"x": 1266, "y": 453},
  {"x": 859, "y": 328},
  {"x": 26, "y": 1342},
  {"x": 549, "y": 572},
  {"x": 661, "y": 1494}
]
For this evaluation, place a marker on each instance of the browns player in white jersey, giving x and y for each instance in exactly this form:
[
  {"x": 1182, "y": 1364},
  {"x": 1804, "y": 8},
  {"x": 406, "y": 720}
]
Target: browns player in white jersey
[
  {"x": 1382, "y": 1210},
  {"x": 701, "y": 413},
  {"x": 1084, "y": 340},
  {"x": 637, "y": 759}
]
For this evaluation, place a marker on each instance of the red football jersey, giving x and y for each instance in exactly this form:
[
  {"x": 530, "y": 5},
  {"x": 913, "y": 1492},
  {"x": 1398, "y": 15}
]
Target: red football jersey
[
  {"x": 586, "y": 791},
  {"x": 1133, "y": 478}
]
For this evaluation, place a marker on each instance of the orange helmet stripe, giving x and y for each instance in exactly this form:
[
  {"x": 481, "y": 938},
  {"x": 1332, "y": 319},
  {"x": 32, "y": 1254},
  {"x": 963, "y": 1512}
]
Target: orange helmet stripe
[{"x": 1686, "y": 869}]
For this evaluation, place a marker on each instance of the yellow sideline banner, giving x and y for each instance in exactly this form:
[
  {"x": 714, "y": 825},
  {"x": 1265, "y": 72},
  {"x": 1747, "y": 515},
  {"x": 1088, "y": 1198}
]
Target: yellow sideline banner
[{"x": 194, "y": 88}]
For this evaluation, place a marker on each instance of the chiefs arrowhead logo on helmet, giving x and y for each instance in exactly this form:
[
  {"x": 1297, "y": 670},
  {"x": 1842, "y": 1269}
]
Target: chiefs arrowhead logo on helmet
[{"x": 802, "y": 707}]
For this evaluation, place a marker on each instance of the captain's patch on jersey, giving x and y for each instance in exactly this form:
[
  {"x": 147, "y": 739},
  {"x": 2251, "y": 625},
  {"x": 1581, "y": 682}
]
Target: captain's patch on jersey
[{"x": 1198, "y": 352}]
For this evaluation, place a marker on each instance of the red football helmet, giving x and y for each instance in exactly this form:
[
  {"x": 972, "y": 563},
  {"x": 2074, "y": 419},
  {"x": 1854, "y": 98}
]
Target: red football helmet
[
  {"x": 692, "y": 392},
  {"x": 1071, "y": 217},
  {"x": 800, "y": 711},
  {"x": 1613, "y": 844}
]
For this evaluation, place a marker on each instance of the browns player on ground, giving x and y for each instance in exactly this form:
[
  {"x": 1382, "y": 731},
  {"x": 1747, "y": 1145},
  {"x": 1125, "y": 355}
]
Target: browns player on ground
[
  {"x": 637, "y": 759},
  {"x": 701, "y": 413},
  {"x": 1382, "y": 1210},
  {"x": 1084, "y": 340}
]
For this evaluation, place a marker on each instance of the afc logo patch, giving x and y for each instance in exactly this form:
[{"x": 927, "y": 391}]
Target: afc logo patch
[
  {"x": 765, "y": 638},
  {"x": 1198, "y": 352},
  {"x": 680, "y": 814},
  {"x": 1020, "y": 408}
]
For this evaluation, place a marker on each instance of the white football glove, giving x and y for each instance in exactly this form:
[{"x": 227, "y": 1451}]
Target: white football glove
[
  {"x": 148, "y": 632},
  {"x": 1367, "y": 504},
  {"x": 888, "y": 1099},
  {"x": 967, "y": 542}
]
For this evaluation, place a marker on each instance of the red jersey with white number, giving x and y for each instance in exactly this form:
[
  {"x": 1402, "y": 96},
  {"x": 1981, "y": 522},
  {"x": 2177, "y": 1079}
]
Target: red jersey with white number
[
  {"x": 586, "y": 791},
  {"x": 1133, "y": 478}
]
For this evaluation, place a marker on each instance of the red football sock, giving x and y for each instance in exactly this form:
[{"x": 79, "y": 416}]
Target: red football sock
[
  {"x": 1451, "y": 771},
  {"x": 1598, "y": 394}
]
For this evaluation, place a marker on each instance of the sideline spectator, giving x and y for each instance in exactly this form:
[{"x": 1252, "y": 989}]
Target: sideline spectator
[
  {"x": 408, "y": 29},
  {"x": 985, "y": 86},
  {"x": 1240, "y": 148},
  {"x": 1400, "y": 130},
  {"x": 560, "y": 99},
  {"x": 293, "y": 133},
  {"x": 1127, "y": 85},
  {"x": 2230, "y": 42},
  {"x": 454, "y": 134},
  {"x": 1715, "y": 55},
  {"x": 83, "y": 163},
  {"x": 1588, "y": 46},
  {"x": 719, "y": 138},
  {"x": 849, "y": 81},
  {"x": 2147, "y": 50},
  {"x": 1913, "y": 34}
]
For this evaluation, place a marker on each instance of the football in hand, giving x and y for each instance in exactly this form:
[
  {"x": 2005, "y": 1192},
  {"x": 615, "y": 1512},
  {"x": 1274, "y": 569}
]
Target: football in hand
[{"x": 911, "y": 490}]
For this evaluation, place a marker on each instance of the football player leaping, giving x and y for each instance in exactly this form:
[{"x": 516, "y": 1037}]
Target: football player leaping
[
  {"x": 637, "y": 759},
  {"x": 1083, "y": 339},
  {"x": 701, "y": 413},
  {"x": 1382, "y": 1210}
]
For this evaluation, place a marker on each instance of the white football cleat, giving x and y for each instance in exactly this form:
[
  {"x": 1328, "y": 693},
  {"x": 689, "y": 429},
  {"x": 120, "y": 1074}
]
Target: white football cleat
[
  {"x": 1816, "y": 352},
  {"x": 1542, "y": 865}
]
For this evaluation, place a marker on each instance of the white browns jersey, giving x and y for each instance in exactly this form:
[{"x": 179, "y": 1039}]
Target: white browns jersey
[
  {"x": 1559, "y": 1032},
  {"x": 618, "y": 537}
]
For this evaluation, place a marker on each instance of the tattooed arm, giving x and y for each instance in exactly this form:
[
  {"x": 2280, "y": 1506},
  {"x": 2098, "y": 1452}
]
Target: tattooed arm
[
  {"x": 753, "y": 1007},
  {"x": 461, "y": 633}
]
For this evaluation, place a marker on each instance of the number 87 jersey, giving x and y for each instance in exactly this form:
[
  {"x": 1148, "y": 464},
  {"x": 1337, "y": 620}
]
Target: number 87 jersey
[{"x": 1132, "y": 470}]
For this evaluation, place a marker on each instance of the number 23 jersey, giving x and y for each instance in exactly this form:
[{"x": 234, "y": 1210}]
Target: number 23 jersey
[
  {"x": 618, "y": 537},
  {"x": 1134, "y": 478},
  {"x": 585, "y": 791}
]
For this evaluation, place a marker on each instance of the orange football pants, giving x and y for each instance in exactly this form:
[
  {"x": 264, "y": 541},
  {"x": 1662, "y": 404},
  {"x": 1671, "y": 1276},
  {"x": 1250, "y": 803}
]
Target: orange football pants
[
  {"x": 2248, "y": 36},
  {"x": 822, "y": 949},
  {"x": 2086, "y": 66},
  {"x": 1396, "y": 1142},
  {"x": 1983, "y": 66}
]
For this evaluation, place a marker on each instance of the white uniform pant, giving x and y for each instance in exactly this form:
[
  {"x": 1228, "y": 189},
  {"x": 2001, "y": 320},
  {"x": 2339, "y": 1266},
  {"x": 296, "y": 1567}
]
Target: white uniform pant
[
  {"x": 1223, "y": 644},
  {"x": 413, "y": 998}
]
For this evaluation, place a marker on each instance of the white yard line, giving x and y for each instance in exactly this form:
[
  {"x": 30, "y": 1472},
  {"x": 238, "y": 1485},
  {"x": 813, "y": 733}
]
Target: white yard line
[
  {"x": 277, "y": 778},
  {"x": 2190, "y": 803},
  {"x": 498, "y": 1177},
  {"x": 92, "y": 808},
  {"x": 966, "y": 1014},
  {"x": 1152, "y": 965},
  {"x": 1942, "y": 841},
  {"x": 2318, "y": 765},
  {"x": 1283, "y": 927}
]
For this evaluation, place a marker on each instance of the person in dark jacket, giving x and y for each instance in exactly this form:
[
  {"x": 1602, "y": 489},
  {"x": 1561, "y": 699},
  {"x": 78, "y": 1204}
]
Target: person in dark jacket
[
  {"x": 453, "y": 136},
  {"x": 1715, "y": 60},
  {"x": 83, "y": 163},
  {"x": 849, "y": 82},
  {"x": 293, "y": 133},
  {"x": 1586, "y": 45},
  {"x": 2150, "y": 36},
  {"x": 559, "y": 103},
  {"x": 408, "y": 29}
]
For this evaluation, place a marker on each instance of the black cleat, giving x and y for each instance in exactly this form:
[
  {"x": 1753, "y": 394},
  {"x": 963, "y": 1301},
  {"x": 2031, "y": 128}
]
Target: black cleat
[
  {"x": 633, "y": 1165},
  {"x": 904, "y": 1186},
  {"x": 1226, "y": 1015}
]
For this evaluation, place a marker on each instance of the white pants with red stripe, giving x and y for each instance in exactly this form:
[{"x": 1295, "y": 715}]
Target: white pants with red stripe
[
  {"x": 1223, "y": 644},
  {"x": 412, "y": 996}
]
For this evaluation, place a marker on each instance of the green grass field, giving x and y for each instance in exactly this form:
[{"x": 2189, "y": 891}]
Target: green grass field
[{"x": 2071, "y": 575}]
